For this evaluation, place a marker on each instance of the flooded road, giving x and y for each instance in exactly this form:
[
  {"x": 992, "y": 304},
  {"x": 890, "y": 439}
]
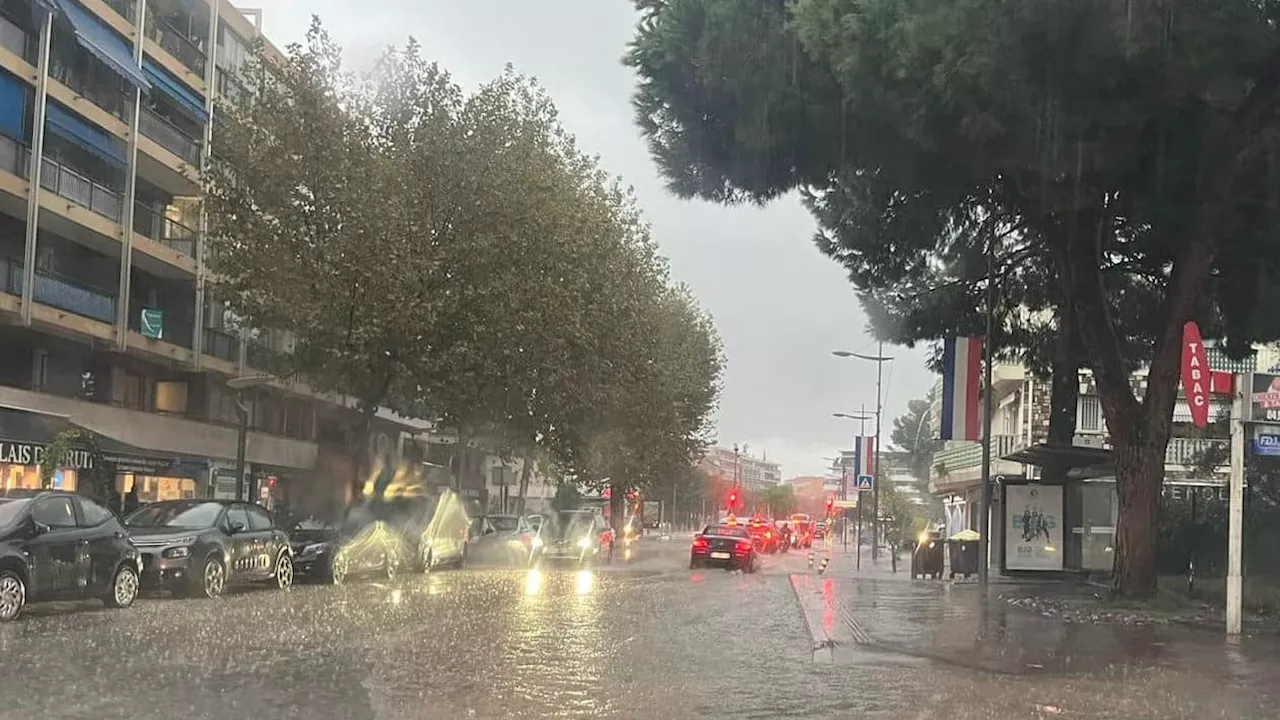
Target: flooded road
[{"x": 646, "y": 640}]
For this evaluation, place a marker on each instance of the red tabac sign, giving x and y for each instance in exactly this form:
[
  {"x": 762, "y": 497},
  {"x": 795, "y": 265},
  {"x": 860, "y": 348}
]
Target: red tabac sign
[{"x": 1195, "y": 374}]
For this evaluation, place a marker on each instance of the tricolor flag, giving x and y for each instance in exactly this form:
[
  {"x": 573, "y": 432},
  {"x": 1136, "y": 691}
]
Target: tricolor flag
[
  {"x": 864, "y": 456},
  {"x": 961, "y": 389}
]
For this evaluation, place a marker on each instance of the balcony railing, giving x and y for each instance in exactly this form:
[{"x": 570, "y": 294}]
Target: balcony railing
[
  {"x": 126, "y": 9},
  {"x": 170, "y": 137},
  {"x": 176, "y": 326},
  {"x": 177, "y": 44},
  {"x": 259, "y": 356},
  {"x": 14, "y": 156},
  {"x": 164, "y": 230},
  {"x": 16, "y": 40},
  {"x": 58, "y": 178},
  {"x": 62, "y": 293},
  {"x": 969, "y": 455},
  {"x": 107, "y": 96},
  {"x": 221, "y": 344},
  {"x": 1187, "y": 452}
]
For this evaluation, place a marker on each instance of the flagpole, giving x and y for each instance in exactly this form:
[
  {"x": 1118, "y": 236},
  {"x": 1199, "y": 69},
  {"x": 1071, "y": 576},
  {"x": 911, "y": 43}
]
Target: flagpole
[{"x": 984, "y": 520}]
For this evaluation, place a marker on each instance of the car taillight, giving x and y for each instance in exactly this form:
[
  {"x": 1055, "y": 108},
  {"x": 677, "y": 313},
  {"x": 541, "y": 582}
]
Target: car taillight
[
  {"x": 700, "y": 543},
  {"x": 743, "y": 547},
  {"x": 768, "y": 536}
]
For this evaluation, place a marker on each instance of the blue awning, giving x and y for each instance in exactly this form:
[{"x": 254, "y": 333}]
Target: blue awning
[
  {"x": 69, "y": 126},
  {"x": 102, "y": 42},
  {"x": 13, "y": 105},
  {"x": 172, "y": 87}
]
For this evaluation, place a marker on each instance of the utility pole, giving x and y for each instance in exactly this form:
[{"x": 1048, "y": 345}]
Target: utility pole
[
  {"x": 1235, "y": 506},
  {"x": 984, "y": 522},
  {"x": 879, "y": 359}
]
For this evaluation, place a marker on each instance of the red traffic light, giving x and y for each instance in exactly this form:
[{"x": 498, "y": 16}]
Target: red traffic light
[{"x": 733, "y": 498}]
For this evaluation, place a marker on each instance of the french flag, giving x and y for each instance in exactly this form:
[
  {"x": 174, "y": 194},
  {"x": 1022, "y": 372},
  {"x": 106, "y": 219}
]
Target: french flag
[
  {"x": 961, "y": 388},
  {"x": 864, "y": 456}
]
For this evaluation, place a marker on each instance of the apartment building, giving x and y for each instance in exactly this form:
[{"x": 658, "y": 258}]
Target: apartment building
[
  {"x": 726, "y": 465},
  {"x": 105, "y": 112},
  {"x": 1020, "y": 425}
]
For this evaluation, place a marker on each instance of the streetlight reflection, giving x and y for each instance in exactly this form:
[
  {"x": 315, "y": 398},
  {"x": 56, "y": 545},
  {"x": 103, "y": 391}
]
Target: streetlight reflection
[
  {"x": 533, "y": 582},
  {"x": 584, "y": 582}
]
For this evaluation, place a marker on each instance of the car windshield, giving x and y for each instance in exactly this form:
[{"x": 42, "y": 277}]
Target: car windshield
[
  {"x": 11, "y": 510},
  {"x": 572, "y": 524},
  {"x": 504, "y": 523},
  {"x": 187, "y": 514},
  {"x": 727, "y": 531}
]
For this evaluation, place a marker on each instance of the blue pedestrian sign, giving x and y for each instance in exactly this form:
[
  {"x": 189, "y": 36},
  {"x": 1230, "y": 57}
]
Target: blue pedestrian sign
[
  {"x": 1267, "y": 445},
  {"x": 866, "y": 482}
]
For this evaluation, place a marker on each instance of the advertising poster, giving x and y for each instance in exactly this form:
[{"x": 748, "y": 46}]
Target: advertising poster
[{"x": 1033, "y": 527}]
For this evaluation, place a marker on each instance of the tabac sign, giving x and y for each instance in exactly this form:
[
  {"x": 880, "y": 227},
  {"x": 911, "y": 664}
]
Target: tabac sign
[{"x": 1195, "y": 374}]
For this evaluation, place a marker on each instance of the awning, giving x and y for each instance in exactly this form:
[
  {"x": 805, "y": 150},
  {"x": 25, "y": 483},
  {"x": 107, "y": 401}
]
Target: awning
[
  {"x": 13, "y": 105},
  {"x": 1079, "y": 460},
  {"x": 100, "y": 40},
  {"x": 22, "y": 431},
  {"x": 69, "y": 126},
  {"x": 175, "y": 89}
]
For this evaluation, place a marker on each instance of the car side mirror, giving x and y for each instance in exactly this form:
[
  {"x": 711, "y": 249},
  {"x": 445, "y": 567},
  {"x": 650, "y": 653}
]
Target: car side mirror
[
  {"x": 237, "y": 527},
  {"x": 40, "y": 527},
  {"x": 489, "y": 531}
]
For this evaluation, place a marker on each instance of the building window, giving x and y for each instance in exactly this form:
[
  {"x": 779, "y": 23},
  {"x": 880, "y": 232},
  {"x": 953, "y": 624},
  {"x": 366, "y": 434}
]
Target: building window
[
  {"x": 1089, "y": 414},
  {"x": 171, "y": 397}
]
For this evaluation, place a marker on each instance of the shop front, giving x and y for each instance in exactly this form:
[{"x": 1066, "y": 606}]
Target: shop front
[{"x": 26, "y": 435}]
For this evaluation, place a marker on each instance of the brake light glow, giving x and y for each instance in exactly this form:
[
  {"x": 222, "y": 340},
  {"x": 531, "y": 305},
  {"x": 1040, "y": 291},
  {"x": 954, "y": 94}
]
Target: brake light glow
[
  {"x": 700, "y": 544},
  {"x": 768, "y": 535},
  {"x": 742, "y": 547}
]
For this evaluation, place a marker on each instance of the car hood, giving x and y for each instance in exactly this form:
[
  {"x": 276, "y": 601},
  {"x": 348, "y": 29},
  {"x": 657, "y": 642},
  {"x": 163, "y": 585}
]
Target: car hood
[{"x": 158, "y": 534}]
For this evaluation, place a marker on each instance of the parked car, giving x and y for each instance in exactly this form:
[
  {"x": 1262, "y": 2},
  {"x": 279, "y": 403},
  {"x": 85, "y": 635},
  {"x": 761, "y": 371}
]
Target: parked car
[
  {"x": 198, "y": 548},
  {"x": 435, "y": 528},
  {"x": 335, "y": 552},
  {"x": 62, "y": 546}
]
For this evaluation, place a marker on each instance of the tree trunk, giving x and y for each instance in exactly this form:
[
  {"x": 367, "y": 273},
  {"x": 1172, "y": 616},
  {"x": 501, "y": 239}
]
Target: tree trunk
[
  {"x": 1064, "y": 392},
  {"x": 617, "y": 506},
  {"x": 1139, "y": 473},
  {"x": 526, "y": 470}
]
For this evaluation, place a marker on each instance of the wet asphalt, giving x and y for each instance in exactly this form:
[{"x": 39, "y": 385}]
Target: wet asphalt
[{"x": 645, "y": 639}]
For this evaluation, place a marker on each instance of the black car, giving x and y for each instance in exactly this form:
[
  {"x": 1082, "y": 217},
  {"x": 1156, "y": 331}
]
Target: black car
[
  {"x": 62, "y": 546},
  {"x": 435, "y": 528},
  {"x": 727, "y": 546},
  {"x": 199, "y": 547},
  {"x": 362, "y": 545}
]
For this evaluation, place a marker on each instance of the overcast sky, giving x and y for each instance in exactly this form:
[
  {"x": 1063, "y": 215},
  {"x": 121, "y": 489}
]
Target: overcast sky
[{"x": 781, "y": 307}]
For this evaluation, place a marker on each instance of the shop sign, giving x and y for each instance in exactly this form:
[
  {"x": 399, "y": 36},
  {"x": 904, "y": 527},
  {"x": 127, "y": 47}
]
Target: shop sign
[
  {"x": 32, "y": 453},
  {"x": 1265, "y": 398},
  {"x": 1033, "y": 527},
  {"x": 1195, "y": 374}
]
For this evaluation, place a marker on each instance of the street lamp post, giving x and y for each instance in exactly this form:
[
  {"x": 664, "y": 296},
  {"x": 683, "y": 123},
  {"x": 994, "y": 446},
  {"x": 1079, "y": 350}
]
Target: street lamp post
[
  {"x": 240, "y": 385},
  {"x": 879, "y": 359},
  {"x": 861, "y": 417}
]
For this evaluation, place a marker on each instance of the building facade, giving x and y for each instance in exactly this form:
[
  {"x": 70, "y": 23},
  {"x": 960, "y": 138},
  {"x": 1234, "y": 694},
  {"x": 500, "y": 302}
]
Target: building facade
[
  {"x": 754, "y": 474},
  {"x": 108, "y": 324}
]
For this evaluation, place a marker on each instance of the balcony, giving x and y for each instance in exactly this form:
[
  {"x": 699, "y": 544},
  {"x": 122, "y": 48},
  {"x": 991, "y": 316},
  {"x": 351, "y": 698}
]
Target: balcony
[
  {"x": 126, "y": 9},
  {"x": 260, "y": 356},
  {"x": 166, "y": 231},
  {"x": 969, "y": 455},
  {"x": 177, "y": 43},
  {"x": 106, "y": 93},
  {"x": 222, "y": 344},
  {"x": 1187, "y": 452},
  {"x": 82, "y": 191},
  {"x": 16, "y": 40},
  {"x": 177, "y": 325},
  {"x": 170, "y": 137},
  {"x": 60, "y": 292}
]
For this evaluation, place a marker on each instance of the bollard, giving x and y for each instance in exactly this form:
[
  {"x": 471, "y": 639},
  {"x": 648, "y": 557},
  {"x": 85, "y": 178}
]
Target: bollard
[
  {"x": 810, "y": 559},
  {"x": 823, "y": 566}
]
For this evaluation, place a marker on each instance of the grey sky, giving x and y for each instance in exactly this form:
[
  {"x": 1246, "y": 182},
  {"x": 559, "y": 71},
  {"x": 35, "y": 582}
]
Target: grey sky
[{"x": 780, "y": 306}]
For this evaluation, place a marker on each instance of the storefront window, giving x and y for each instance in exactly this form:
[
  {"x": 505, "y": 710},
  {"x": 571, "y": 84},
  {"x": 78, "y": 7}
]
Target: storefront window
[
  {"x": 1097, "y": 526},
  {"x": 155, "y": 489},
  {"x": 28, "y": 477}
]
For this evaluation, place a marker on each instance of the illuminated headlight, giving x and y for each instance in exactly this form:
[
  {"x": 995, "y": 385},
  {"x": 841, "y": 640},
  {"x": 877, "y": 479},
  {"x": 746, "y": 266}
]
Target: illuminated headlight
[
  {"x": 177, "y": 553},
  {"x": 585, "y": 543},
  {"x": 536, "y": 543}
]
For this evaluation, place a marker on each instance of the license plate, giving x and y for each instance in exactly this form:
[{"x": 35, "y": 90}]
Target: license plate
[{"x": 720, "y": 556}]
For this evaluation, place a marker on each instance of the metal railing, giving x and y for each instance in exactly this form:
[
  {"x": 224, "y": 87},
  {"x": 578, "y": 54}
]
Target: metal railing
[
  {"x": 1187, "y": 452},
  {"x": 177, "y": 44},
  {"x": 260, "y": 356},
  {"x": 221, "y": 344},
  {"x": 17, "y": 40},
  {"x": 169, "y": 136},
  {"x": 14, "y": 156},
  {"x": 969, "y": 455},
  {"x": 58, "y": 178},
  {"x": 109, "y": 97},
  {"x": 126, "y": 9},
  {"x": 165, "y": 230},
  {"x": 62, "y": 293}
]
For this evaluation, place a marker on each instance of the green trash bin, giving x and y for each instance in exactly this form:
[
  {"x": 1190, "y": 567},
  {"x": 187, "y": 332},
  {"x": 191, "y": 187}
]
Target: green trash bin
[
  {"x": 963, "y": 553},
  {"x": 927, "y": 560}
]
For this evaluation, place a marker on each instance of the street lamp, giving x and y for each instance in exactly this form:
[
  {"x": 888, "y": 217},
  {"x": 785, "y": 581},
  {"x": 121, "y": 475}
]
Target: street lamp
[
  {"x": 240, "y": 384},
  {"x": 879, "y": 359}
]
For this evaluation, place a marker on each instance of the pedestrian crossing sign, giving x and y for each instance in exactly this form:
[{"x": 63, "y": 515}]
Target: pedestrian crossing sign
[{"x": 866, "y": 482}]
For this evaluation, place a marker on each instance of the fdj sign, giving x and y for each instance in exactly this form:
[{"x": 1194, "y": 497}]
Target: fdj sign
[
  {"x": 33, "y": 453},
  {"x": 1267, "y": 445}
]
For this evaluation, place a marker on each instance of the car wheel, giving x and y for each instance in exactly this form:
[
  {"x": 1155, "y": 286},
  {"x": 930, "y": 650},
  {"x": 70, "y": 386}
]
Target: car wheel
[
  {"x": 462, "y": 559},
  {"x": 338, "y": 569},
  {"x": 693, "y": 564},
  {"x": 284, "y": 571},
  {"x": 124, "y": 588},
  {"x": 212, "y": 580},
  {"x": 13, "y": 595}
]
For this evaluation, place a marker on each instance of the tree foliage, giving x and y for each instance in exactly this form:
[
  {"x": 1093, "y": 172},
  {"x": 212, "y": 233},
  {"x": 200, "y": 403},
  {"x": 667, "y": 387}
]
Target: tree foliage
[
  {"x": 97, "y": 480},
  {"x": 780, "y": 500},
  {"x": 455, "y": 256},
  {"x": 911, "y": 432},
  {"x": 1128, "y": 148}
]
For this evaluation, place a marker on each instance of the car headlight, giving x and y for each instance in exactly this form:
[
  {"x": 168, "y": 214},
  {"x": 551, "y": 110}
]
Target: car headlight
[
  {"x": 312, "y": 549},
  {"x": 584, "y": 543},
  {"x": 177, "y": 553},
  {"x": 536, "y": 543}
]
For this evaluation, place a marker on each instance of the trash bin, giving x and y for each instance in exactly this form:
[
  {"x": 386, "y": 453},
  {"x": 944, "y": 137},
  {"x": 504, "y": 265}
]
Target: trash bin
[
  {"x": 927, "y": 560},
  {"x": 963, "y": 553}
]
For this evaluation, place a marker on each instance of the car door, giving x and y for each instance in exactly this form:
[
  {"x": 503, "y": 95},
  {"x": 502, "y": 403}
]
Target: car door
[
  {"x": 241, "y": 543},
  {"x": 262, "y": 528},
  {"x": 56, "y": 551},
  {"x": 104, "y": 540}
]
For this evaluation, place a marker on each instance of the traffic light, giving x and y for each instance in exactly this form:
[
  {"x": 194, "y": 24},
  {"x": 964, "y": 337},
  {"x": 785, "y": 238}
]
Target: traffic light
[
  {"x": 831, "y": 506},
  {"x": 733, "y": 499}
]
